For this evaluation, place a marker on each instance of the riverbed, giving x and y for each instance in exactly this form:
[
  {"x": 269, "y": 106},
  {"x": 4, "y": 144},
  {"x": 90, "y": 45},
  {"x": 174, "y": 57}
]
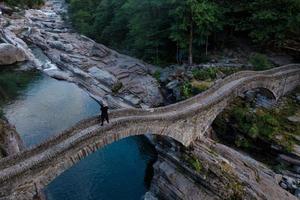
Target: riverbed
[{"x": 43, "y": 107}]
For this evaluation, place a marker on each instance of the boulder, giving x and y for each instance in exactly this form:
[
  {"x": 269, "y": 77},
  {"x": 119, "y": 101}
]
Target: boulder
[
  {"x": 60, "y": 46},
  {"x": 132, "y": 99},
  {"x": 297, "y": 193},
  {"x": 296, "y": 150},
  {"x": 289, "y": 159},
  {"x": 5, "y": 9},
  {"x": 294, "y": 119},
  {"x": 149, "y": 196},
  {"x": 102, "y": 76},
  {"x": 296, "y": 169},
  {"x": 173, "y": 84},
  {"x": 10, "y": 54},
  {"x": 99, "y": 50},
  {"x": 281, "y": 59},
  {"x": 289, "y": 182},
  {"x": 10, "y": 141},
  {"x": 298, "y": 97}
]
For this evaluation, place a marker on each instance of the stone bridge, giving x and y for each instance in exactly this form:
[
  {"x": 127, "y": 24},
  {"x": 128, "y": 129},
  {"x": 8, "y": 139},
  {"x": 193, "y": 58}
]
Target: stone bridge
[{"x": 23, "y": 174}]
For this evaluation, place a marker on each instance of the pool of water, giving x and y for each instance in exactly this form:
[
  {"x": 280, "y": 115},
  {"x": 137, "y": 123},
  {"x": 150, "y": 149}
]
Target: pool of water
[
  {"x": 47, "y": 107},
  {"x": 43, "y": 107},
  {"x": 113, "y": 173}
]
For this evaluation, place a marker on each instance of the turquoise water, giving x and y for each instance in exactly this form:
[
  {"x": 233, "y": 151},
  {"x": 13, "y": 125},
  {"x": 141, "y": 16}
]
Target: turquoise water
[
  {"x": 115, "y": 172},
  {"x": 48, "y": 107},
  {"x": 119, "y": 171}
]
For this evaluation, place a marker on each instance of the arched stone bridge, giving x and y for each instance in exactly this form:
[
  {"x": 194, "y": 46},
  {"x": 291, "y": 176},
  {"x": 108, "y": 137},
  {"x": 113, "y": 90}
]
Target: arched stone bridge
[{"x": 22, "y": 174}]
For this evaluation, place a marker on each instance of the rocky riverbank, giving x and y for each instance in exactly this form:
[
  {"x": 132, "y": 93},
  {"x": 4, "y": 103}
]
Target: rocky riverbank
[
  {"x": 108, "y": 76},
  {"x": 10, "y": 141},
  {"x": 268, "y": 131},
  {"x": 210, "y": 170}
]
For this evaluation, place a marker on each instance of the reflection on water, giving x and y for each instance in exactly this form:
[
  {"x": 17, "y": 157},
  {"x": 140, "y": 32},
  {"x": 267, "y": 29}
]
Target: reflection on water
[
  {"x": 112, "y": 173},
  {"x": 43, "y": 107},
  {"x": 47, "y": 107}
]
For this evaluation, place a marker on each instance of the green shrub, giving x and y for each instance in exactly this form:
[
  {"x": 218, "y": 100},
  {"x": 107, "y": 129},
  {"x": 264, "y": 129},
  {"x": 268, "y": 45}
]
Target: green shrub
[
  {"x": 25, "y": 3},
  {"x": 254, "y": 131},
  {"x": 200, "y": 86},
  {"x": 228, "y": 70},
  {"x": 270, "y": 120},
  {"x": 187, "y": 90},
  {"x": 117, "y": 87},
  {"x": 260, "y": 62},
  {"x": 238, "y": 191},
  {"x": 238, "y": 114},
  {"x": 157, "y": 75},
  {"x": 280, "y": 167},
  {"x": 242, "y": 142},
  {"x": 196, "y": 164},
  {"x": 1, "y": 113},
  {"x": 205, "y": 74},
  {"x": 249, "y": 126}
]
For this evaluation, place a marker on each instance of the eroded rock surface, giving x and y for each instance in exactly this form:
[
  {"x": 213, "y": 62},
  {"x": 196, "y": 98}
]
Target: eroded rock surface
[
  {"x": 221, "y": 173},
  {"x": 10, "y": 141},
  {"x": 10, "y": 54},
  {"x": 78, "y": 59}
]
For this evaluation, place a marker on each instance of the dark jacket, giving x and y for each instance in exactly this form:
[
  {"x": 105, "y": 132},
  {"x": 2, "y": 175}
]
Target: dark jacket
[{"x": 104, "y": 111}]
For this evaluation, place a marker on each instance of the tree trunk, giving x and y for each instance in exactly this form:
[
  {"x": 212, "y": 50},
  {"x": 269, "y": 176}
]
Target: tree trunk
[
  {"x": 177, "y": 53},
  {"x": 206, "y": 46},
  {"x": 156, "y": 55},
  {"x": 191, "y": 46}
]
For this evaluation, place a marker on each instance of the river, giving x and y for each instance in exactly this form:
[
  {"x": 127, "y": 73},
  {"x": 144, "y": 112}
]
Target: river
[{"x": 43, "y": 106}]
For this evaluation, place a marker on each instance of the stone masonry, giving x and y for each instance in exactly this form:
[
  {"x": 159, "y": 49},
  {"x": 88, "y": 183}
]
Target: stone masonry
[{"x": 186, "y": 121}]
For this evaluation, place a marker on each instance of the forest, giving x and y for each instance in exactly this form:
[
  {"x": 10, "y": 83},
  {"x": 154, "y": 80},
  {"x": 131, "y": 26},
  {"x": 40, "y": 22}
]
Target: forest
[
  {"x": 25, "y": 3},
  {"x": 169, "y": 31},
  {"x": 176, "y": 31}
]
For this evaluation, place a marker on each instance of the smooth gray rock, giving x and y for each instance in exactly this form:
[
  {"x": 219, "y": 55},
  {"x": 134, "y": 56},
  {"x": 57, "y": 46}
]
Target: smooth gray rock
[
  {"x": 297, "y": 169},
  {"x": 298, "y": 97},
  {"x": 103, "y": 76},
  {"x": 132, "y": 99},
  {"x": 283, "y": 185},
  {"x": 297, "y": 193},
  {"x": 289, "y": 182},
  {"x": 282, "y": 59},
  {"x": 294, "y": 119},
  {"x": 172, "y": 84},
  {"x": 80, "y": 56},
  {"x": 60, "y": 46},
  {"x": 10, "y": 141},
  {"x": 10, "y": 54},
  {"x": 149, "y": 196},
  {"x": 99, "y": 50}
]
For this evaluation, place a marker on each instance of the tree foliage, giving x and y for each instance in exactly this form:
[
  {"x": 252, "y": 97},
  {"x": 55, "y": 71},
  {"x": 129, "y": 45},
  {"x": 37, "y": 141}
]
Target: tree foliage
[
  {"x": 25, "y": 3},
  {"x": 164, "y": 31}
]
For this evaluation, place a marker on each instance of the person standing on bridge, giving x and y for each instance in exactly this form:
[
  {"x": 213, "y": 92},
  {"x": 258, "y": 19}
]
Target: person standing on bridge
[{"x": 104, "y": 113}]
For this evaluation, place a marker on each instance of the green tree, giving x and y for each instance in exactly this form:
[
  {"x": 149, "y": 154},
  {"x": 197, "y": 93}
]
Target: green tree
[
  {"x": 110, "y": 25},
  {"x": 156, "y": 30},
  {"x": 192, "y": 18},
  {"x": 265, "y": 21},
  {"x": 149, "y": 29},
  {"x": 25, "y": 3}
]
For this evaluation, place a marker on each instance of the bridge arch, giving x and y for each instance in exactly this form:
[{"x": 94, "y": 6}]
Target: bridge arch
[
  {"x": 95, "y": 143},
  {"x": 184, "y": 121},
  {"x": 122, "y": 158},
  {"x": 179, "y": 130}
]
